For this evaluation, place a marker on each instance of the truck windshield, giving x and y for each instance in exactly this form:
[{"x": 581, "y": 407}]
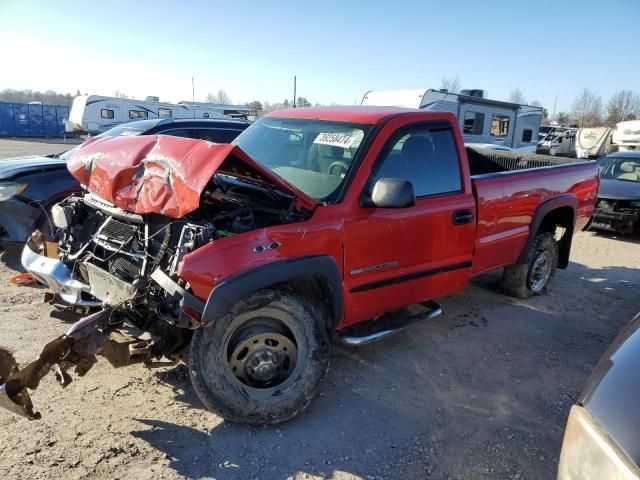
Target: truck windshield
[
  {"x": 623, "y": 168},
  {"x": 315, "y": 156}
]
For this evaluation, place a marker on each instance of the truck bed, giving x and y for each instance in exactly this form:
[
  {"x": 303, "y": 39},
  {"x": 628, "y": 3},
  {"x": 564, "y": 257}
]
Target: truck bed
[
  {"x": 509, "y": 186},
  {"x": 484, "y": 161}
]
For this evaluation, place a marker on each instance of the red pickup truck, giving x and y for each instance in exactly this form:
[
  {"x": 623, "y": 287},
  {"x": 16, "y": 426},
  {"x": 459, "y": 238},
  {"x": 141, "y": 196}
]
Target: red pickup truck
[{"x": 245, "y": 260}]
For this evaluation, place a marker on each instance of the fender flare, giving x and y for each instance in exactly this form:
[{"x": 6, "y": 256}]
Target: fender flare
[
  {"x": 564, "y": 200},
  {"x": 229, "y": 291}
]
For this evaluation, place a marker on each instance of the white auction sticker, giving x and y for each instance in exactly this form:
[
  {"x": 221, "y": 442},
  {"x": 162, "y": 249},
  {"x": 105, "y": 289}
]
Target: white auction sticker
[{"x": 334, "y": 139}]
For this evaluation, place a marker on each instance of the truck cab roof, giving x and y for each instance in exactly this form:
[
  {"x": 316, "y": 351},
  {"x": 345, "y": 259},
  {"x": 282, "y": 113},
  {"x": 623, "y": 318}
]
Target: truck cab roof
[{"x": 355, "y": 114}]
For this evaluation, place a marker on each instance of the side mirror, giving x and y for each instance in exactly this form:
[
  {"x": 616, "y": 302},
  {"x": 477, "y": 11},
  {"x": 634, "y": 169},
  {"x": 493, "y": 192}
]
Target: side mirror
[{"x": 392, "y": 193}]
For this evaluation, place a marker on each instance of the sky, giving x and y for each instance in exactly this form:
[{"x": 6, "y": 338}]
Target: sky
[{"x": 337, "y": 49}]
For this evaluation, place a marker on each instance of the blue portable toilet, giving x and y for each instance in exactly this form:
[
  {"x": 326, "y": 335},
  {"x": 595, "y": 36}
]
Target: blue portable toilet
[
  {"x": 7, "y": 128},
  {"x": 62, "y": 115},
  {"x": 21, "y": 120},
  {"x": 50, "y": 121},
  {"x": 36, "y": 122}
]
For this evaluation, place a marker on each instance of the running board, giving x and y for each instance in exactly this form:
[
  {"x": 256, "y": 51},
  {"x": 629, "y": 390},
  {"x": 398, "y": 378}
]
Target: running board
[{"x": 388, "y": 324}]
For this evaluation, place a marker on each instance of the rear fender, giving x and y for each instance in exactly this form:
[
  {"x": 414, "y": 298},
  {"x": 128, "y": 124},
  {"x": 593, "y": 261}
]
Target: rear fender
[{"x": 545, "y": 212}]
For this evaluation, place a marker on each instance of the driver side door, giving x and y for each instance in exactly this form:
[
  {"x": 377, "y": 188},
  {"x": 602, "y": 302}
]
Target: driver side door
[{"x": 397, "y": 257}]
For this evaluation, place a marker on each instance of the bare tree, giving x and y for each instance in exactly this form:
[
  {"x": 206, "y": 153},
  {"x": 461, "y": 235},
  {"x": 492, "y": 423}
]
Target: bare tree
[
  {"x": 255, "y": 105},
  {"x": 562, "y": 118},
  {"x": 119, "y": 94},
  {"x": 451, "y": 84},
  {"x": 220, "y": 97},
  {"x": 623, "y": 105},
  {"x": 25, "y": 96},
  {"x": 535, "y": 103},
  {"x": 516, "y": 96},
  {"x": 587, "y": 109},
  {"x": 303, "y": 102}
]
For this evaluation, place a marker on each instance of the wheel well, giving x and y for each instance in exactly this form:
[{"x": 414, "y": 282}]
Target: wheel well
[
  {"x": 316, "y": 290},
  {"x": 563, "y": 218}
]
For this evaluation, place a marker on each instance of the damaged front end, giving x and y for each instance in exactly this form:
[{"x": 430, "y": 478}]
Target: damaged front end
[
  {"x": 150, "y": 202},
  {"x": 622, "y": 216}
]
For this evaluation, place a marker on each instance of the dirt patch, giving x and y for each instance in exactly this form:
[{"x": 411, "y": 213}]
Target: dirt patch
[{"x": 482, "y": 392}]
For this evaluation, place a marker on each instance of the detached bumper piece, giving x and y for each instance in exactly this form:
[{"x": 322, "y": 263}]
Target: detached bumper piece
[
  {"x": 91, "y": 336},
  {"x": 55, "y": 274},
  {"x": 77, "y": 348}
]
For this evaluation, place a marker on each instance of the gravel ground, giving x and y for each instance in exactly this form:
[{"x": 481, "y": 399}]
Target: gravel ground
[
  {"x": 14, "y": 147},
  {"x": 481, "y": 392}
]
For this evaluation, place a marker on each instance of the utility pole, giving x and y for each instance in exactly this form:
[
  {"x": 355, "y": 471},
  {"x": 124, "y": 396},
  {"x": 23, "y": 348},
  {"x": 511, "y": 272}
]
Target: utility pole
[
  {"x": 555, "y": 102},
  {"x": 294, "y": 91},
  {"x": 193, "y": 96}
]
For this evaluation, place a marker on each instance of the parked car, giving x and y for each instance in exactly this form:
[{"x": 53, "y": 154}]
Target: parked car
[
  {"x": 618, "y": 206},
  {"x": 602, "y": 437},
  {"x": 29, "y": 186},
  {"x": 245, "y": 259}
]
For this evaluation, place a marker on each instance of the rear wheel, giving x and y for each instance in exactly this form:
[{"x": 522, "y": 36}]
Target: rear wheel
[
  {"x": 535, "y": 272},
  {"x": 262, "y": 362}
]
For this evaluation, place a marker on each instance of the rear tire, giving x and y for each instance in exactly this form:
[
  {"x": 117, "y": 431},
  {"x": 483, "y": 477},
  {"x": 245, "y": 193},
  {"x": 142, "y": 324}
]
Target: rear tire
[
  {"x": 262, "y": 362},
  {"x": 535, "y": 272}
]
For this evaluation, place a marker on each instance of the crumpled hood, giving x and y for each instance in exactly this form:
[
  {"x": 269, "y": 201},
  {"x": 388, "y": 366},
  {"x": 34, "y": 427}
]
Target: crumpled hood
[
  {"x": 618, "y": 189},
  {"x": 164, "y": 174},
  {"x": 13, "y": 167}
]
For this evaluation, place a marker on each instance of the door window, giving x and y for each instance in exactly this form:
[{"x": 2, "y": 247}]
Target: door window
[
  {"x": 218, "y": 136},
  {"x": 427, "y": 157}
]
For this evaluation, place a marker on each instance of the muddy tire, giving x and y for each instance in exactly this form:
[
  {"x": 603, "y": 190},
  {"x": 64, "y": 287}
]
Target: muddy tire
[
  {"x": 261, "y": 363},
  {"x": 533, "y": 275}
]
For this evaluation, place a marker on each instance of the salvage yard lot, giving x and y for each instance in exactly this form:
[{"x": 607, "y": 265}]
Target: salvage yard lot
[{"x": 481, "y": 392}]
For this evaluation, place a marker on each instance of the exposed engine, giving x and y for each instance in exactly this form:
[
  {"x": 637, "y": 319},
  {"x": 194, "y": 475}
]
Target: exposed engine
[{"x": 98, "y": 239}]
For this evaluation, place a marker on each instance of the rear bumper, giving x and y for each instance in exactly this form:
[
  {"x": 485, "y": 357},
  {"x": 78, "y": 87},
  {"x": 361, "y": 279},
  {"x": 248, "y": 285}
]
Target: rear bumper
[{"x": 17, "y": 220}]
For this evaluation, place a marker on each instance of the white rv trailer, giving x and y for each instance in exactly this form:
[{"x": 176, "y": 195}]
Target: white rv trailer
[
  {"x": 95, "y": 114},
  {"x": 594, "y": 142},
  {"x": 627, "y": 135},
  {"x": 481, "y": 120},
  {"x": 560, "y": 141}
]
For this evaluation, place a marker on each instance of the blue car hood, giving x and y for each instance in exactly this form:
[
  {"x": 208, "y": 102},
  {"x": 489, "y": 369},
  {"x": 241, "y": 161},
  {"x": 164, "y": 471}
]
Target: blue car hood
[
  {"x": 11, "y": 168},
  {"x": 619, "y": 189}
]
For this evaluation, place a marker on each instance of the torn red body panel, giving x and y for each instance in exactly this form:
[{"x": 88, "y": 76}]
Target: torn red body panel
[{"x": 164, "y": 174}]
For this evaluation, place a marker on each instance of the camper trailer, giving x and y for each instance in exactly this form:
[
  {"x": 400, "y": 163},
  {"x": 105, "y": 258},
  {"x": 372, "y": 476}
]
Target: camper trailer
[
  {"x": 559, "y": 141},
  {"x": 95, "y": 114},
  {"x": 594, "y": 142},
  {"x": 481, "y": 120},
  {"x": 627, "y": 135}
]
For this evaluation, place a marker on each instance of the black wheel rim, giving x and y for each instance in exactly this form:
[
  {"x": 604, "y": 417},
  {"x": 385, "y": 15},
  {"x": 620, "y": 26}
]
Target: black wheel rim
[{"x": 262, "y": 354}]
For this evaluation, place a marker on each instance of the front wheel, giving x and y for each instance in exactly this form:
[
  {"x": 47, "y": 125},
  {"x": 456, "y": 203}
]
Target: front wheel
[
  {"x": 262, "y": 362},
  {"x": 534, "y": 273}
]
